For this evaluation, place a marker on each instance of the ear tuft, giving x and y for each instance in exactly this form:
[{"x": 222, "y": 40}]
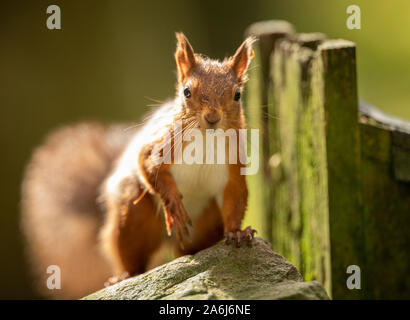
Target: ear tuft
[
  {"x": 184, "y": 56},
  {"x": 242, "y": 58}
]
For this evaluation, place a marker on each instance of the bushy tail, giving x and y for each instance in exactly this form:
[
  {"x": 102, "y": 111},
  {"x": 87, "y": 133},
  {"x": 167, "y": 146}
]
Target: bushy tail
[{"x": 61, "y": 216}]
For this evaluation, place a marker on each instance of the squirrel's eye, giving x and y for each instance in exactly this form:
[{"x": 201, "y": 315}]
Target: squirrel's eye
[
  {"x": 237, "y": 95},
  {"x": 187, "y": 92}
]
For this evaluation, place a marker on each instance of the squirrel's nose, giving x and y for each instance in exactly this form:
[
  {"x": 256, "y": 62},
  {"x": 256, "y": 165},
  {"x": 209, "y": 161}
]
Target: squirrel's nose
[{"x": 212, "y": 117}]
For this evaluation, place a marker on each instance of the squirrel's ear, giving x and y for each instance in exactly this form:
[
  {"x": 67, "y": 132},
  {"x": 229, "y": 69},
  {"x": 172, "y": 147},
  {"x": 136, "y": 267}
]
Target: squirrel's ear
[
  {"x": 184, "y": 56},
  {"x": 242, "y": 58}
]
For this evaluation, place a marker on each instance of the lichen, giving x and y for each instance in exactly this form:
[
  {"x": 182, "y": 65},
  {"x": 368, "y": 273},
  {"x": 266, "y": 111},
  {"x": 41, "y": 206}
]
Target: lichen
[{"x": 219, "y": 272}]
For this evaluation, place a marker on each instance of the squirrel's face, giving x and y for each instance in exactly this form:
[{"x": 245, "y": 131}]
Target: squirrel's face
[{"x": 211, "y": 90}]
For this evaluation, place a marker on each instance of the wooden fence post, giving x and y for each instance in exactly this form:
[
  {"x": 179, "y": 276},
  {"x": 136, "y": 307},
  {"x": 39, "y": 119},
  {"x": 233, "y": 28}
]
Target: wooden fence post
[
  {"x": 333, "y": 189},
  {"x": 317, "y": 219},
  {"x": 300, "y": 219},
  {"x": 385, "y": 183},
  {"x": 340, "y": 102}
]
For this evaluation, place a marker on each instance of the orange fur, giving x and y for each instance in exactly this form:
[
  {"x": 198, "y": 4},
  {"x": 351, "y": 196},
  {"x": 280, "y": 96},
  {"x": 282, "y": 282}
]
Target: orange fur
[
  {"x": 61, "y": 214},
  {"x": 209, "y": 232},
  {"x": 133, "y": 187},
  {"x": 212, "y": 87}
]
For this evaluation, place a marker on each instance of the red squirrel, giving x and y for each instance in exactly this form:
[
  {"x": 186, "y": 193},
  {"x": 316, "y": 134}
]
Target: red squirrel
[{"x": 94, "y": 211}]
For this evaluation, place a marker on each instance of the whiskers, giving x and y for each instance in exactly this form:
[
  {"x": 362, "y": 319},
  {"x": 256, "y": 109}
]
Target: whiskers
[
  {"x": 133, "y": 126},
  {"x": 157, "y": 101},
  {"x": 256, "y": 66},
  {"x": 265, "y": 114},
  {"x": 270, "y": 116},
  {"x": 157, "y": 104},
  {"x": 178, "y": 139}
]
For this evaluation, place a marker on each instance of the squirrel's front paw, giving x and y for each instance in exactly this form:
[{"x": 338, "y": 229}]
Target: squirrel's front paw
[
  {"x": 176, "y": 217},
  {"x": 236, "y": 237}
]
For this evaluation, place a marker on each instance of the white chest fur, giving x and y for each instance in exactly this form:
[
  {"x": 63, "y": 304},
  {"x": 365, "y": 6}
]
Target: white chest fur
[{"x": 199, "y": 183}]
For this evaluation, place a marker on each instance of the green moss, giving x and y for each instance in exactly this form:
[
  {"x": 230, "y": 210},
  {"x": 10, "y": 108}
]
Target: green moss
[
  {"x": 219, "y": 272},
  {"x": 386, "y": 207},
  {"x": 335, "y": 192},
  {"x": 301, "y": 228},
  {"x": 315, "y": 241}
]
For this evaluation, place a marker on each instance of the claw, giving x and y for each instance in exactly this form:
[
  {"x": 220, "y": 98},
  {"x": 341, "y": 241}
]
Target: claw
[
  {"x": 229, "y": 237},
  {"x": 169, "y": 222},
  {"x": 185, "y": 215},
  {"x": 249, "y": 235},
  {"x": 237, "y": 237},
  {"x": 181, "y": 226},
  {"x": 177, "y": 219}
]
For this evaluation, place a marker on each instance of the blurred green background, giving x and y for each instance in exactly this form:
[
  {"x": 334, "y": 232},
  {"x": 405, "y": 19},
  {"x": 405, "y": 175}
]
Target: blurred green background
[{"x": 111, "y": 55}]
